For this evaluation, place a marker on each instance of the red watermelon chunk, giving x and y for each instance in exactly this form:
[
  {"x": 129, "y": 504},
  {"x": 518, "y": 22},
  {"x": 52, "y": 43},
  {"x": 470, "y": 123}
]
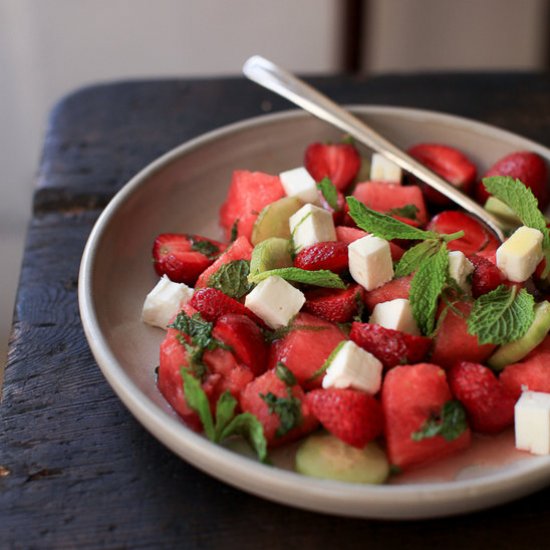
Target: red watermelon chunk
[
  {"x": 248, "y": 193},
  {"x": 452, "y": 342},
  {"x": 411, "y": 396},
  {"x": 396, "y": 288},
  {"x": 384, "y": 197},
  {"x": 251, "y": 400},
  {"x": 241, "y": 249},
  {"x": 304, "y": 350}
]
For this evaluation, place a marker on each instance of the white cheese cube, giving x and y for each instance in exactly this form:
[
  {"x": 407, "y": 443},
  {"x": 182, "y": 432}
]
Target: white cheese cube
[
  {"x": 370, "y": 262},
  {"x": 298, "y": 183},
  {"x": 532, "y": 422},
  {"x": 310, "y": 225},
  {"x": 164, "y": 302},
  {"x": 383, "y": 169},
  {"x": 395, "y": 314},
  {"x": 519, "y": 256},
  {"x": 275, "y": 301},
  {"x": 353, "y": 367},
  {"x": 460, "y": 268}
]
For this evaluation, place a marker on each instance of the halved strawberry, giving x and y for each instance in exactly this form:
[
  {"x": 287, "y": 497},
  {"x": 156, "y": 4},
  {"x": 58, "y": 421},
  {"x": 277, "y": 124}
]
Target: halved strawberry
[
  {"x": 414, "y": 396},
  {"x": 476, "y": 236},
  {"x": 245, "y": 339},
  {"x": 338, "y": 306},
  {"x": 528, "y": 167},
  {"x": 340, "y": 162},
  {"x": 485, "y": 277},
  {"x": 184, "y": 257},
  {"x": 448, "y": 162},
  {"x": 305, "y": 347},
  {"x": 391, "y": 347},
  {"x": 353, "y": 416},
  {"x": 326, "y": 255},
  {"x": 489, "y": 405},
  {"x": 240, "y": 249},
  {"x": 281, "y": 409},
  {"x": 396, "y": 288},
  {"x": 213, "y": 303}
]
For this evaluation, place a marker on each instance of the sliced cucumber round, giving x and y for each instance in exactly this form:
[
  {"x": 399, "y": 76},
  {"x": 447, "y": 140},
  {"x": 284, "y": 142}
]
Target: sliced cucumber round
[
  {"x": 514, "y": 351},
  {"x": 272, "y": 253},
  {"x": 327, "y": 457},
  {"x": 273, "y": 219}
]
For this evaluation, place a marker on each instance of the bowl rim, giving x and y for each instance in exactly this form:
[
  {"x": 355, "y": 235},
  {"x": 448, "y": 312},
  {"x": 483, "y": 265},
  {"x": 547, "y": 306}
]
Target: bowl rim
[{"x": 384, "y": 501}]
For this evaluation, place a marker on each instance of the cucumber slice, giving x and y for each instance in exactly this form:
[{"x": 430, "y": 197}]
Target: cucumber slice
[
  {"x": 328, "y": 457},
  {"x": 273, "y": 219},
  {"x": 270, "y": 254},
  {"x": 514, "y": 351}
]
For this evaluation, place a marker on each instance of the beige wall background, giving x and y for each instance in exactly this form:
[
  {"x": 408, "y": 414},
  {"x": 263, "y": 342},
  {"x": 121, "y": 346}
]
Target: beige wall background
[{"x": 50, "y": 47}]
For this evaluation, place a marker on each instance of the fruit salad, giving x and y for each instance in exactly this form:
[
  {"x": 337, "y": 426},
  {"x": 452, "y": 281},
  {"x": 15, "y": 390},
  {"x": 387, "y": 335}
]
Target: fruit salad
[{"x": 358, "y": 313}]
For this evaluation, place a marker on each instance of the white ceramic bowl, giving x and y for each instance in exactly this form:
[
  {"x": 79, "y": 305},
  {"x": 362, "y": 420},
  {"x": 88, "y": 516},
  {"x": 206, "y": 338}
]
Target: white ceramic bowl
[{"x": 182, "y": 191}]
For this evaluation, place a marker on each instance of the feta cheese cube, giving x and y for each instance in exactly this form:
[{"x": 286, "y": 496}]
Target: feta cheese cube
[
  {"x": 310, "y": 225},
  {"x": 532, "y": 422},
  {"x": 395, "y": 314},
  {"x": 275, "y": 301},
  {"x": 383, "y": 169},
  {"x": 460, "y": 268},
  {"x": 164, "y": 302},
  {"x": 370, "y": 262},
  {"x": 298, "y": 183},
  {"x": 353, "y": 367},
  {"x": 519, "y": 256}
]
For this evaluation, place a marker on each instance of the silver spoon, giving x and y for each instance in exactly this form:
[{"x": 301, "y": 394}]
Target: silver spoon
[{"x": 278, "y": 80}]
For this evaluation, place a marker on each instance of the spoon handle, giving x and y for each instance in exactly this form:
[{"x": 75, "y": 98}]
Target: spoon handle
[{"x": 285, "y": 84}]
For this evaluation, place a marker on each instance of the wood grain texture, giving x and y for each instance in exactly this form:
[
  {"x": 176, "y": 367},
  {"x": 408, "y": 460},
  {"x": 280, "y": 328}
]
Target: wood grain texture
[{"x": 76, "y": 470}]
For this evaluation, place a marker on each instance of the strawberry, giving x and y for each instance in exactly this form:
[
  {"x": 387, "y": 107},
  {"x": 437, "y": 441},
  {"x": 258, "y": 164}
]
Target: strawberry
[
  {"x": 448, "y": 162},
  {"x": 338, "y": 306},
  {"x": 396, "y": 288},
  {"x": 348, "y": 235},
  {"x": 282, "y": 410},
  {"x": 245, "y": 339},
  {"x": 184, "y": 257},
  {"x": 485, "y": 277},
  {"x": 340, "y": 162},
  {"x": 528, "y": 167},
  {"x": 353, "y": 416},
  {"x": 489, "y": 405},
  {"x": 213, "y": 303},
  {"x": 476, "y": 236},
  {"x": 532, "y": 372},
  {"x": 305, "y": 346},
  {"x": 413, "y": 397},
  {"x": 391, "y": 347},
  {"x": 326, "y": 255},
  {"x": 240, "y": 249},
  {"x": 453, "y": 343},
  {"x": 248, "y": 193}
]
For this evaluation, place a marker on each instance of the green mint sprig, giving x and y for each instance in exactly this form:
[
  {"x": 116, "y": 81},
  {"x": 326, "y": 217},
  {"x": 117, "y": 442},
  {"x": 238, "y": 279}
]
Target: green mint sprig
[
  {"x": 415, "y": 256},
  {"x": 449, "y": 424},
  {"x": 321, "y": 277},
  {"x": 408, "y": 211},
  {"x": 502, "y": 315},
  {"x": 524, "y": 204},
  {"x": 231, "y": 279},
  {"x": 329, "y": 192},
  {"x": 209, "y": 249},
  {"x": 226, "y": 424},
  {"x": 288, "y": 409}
]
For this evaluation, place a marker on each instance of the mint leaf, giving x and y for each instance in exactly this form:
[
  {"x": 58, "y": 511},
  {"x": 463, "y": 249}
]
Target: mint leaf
[
  {"x": 248, "y": 426},
  {"x": 234, "y": 230},
  {"x": 288, "y": 409},
  {"x": 328, "y": 190},
  {"x": 285, "y": 374},
  {"x": 327, "y": 362},
  {"x": 408, "y": 211},
  {"x": 426, "y": 286},
  {"x": 413, "y": 257},
  {"x": 225, "y": 411},
  {"x": 502, "y": 315},
  {"x": 197, "y": 400},
  {"x": 321, "y": 277},
  {"x": 231, "y": 279},
  {"x": 450, "y": 424},
  {"x": 384, "y": 226},
  {"x": 209, "y": 249}
]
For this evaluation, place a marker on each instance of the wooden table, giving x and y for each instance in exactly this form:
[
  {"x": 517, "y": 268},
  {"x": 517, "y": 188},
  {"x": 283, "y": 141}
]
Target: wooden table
[{"x": 76, "y": 470}]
